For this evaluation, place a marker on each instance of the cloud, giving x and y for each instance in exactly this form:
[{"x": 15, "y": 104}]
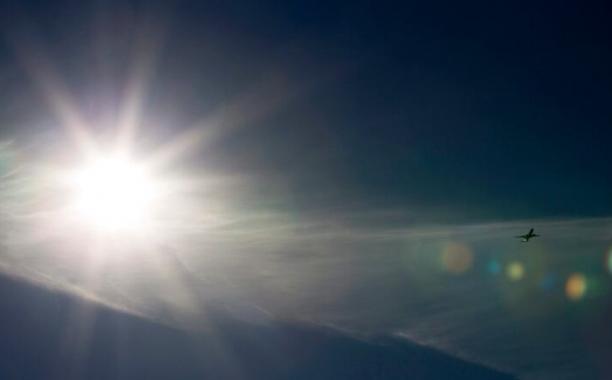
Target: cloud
[{"x": 368, "y": 272}]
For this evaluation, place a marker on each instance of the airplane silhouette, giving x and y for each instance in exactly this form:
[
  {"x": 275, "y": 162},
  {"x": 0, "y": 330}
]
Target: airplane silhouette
[{"x": 525, "y": 238}]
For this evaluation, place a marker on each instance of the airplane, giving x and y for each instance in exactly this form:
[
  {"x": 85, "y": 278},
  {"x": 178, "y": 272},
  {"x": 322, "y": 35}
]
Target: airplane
[{"x": 525, "y": 238}]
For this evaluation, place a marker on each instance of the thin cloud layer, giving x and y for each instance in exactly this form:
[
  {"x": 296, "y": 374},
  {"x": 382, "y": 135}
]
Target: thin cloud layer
[{"x": 470, "y": 290}]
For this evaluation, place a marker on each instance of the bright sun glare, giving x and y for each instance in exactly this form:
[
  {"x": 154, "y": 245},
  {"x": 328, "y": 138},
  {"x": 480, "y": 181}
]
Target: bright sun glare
[{"x": 114, "y": 193}]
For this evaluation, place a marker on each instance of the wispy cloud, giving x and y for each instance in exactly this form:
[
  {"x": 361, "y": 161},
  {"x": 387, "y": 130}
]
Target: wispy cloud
[{"x": 365, "y": 271}]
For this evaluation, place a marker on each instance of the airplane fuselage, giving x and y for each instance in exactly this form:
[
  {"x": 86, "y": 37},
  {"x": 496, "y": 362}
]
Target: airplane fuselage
[{"x": 525, "y": 238}]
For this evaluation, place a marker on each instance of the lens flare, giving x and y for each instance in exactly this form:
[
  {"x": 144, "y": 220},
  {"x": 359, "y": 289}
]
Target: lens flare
[
  {"x": 493, "y": 267},
  {"x": 575, "y": 286},
  {"x": 457, "y": 258},
  {"x": 515, "y": 271}
]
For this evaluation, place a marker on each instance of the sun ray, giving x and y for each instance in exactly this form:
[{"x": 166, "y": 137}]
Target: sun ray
[
  {"x": 242, "y": 111},
  {"x": 62, "y": 104},
  {"x": 148, "y": 43}
]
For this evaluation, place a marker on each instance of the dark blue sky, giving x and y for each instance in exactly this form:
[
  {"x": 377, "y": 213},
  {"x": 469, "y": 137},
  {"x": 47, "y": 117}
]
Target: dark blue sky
[
  {"x": 450, "y": 111},
  {"x": 365, "y": 165}
]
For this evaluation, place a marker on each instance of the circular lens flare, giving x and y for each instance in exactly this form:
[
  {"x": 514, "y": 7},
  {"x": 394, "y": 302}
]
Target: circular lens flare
[
  {"x": 576, "y": 286},
  {"x": 457, "y": 258},
  {"x": 493, "y": 267},
  {"x": 515, "y": 271}
]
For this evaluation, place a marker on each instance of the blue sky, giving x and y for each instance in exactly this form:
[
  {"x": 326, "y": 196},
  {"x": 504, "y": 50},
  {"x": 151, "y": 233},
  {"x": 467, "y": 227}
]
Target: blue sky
[
  {"x": 363, "y": 166},
  {"x": 485, "y": 111}
]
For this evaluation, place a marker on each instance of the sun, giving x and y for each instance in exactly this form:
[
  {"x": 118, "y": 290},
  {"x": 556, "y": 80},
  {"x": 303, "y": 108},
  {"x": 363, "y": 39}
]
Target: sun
[{"x": 114, "y": 193}]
